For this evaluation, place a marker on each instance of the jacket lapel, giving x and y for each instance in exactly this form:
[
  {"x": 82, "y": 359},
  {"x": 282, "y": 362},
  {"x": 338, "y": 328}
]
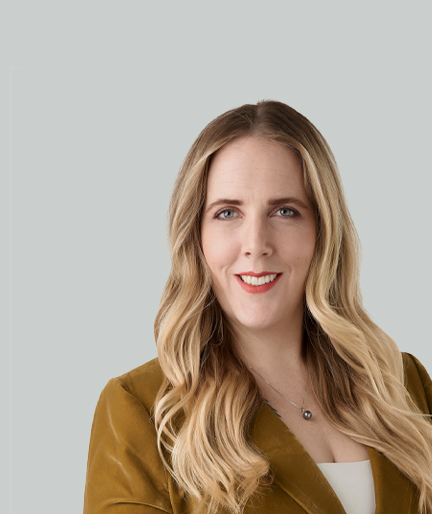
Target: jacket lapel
[
  {"x": 296, "y": 473},
  {"x": 393, "y": 491}
]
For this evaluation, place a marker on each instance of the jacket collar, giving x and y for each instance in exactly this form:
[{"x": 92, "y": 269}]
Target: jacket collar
[{"x": 297, "y": 474}]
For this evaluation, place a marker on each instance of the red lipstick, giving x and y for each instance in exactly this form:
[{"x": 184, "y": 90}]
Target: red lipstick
[{"x": 257, "y": 289}]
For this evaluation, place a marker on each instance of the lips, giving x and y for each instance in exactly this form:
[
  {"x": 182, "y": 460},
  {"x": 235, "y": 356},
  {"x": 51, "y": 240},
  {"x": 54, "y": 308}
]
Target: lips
[{"x": 257, "y": 289}]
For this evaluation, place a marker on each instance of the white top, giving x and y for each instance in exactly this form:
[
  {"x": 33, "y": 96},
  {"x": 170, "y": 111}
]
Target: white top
[{"x": 353, "y": 484}]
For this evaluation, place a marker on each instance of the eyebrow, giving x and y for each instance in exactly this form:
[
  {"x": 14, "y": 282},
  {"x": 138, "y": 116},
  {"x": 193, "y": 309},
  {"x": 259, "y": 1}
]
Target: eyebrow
[{"x": 273, "y": 201}]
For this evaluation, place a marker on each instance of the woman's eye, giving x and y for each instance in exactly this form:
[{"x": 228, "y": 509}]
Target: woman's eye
[
  {"x": 292, "y": 215},
  {"x": 224, "y": 211}
]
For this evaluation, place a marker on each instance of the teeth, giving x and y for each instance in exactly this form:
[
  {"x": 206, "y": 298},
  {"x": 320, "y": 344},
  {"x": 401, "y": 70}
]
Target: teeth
[{"x": 255, "y": 281}]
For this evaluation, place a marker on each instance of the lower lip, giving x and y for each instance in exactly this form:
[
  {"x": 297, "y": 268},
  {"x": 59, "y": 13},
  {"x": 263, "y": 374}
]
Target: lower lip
[{"x": 257, "y": 289}]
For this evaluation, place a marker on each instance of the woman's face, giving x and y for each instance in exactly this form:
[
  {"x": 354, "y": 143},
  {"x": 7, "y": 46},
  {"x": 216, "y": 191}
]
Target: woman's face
[{"x": 257, "y": 218}]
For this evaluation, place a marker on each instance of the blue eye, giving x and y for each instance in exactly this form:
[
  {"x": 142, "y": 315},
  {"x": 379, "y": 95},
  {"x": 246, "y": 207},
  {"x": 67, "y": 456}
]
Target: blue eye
[
  {"x": 293, "y": 215},
  {"x": 224, "y": 217}
]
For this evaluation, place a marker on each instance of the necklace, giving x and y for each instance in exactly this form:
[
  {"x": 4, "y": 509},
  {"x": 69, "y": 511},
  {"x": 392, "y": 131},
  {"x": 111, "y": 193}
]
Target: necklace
[{"x": 307, "y": 414}]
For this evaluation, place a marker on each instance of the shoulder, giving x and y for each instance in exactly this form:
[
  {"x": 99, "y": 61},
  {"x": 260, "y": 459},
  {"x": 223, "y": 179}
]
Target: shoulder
[
  {"x": 418, "y": 382},
  {"x": 124, "y": 469},
  {"x": 142, "y": 382}
]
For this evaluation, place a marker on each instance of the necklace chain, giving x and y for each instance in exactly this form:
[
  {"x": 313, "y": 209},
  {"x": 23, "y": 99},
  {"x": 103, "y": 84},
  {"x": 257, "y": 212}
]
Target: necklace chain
[{"x": 306, "y": 413}]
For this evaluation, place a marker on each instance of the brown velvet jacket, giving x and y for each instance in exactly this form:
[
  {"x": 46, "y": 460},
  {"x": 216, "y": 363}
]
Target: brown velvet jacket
[{"x": 125, "y": 474}]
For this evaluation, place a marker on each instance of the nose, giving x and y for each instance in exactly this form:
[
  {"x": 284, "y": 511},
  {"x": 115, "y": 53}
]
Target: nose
[{"x": 255, "y": 238}]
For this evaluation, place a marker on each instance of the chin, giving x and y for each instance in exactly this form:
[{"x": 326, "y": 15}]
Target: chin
[{"x": 256, "y": 322}]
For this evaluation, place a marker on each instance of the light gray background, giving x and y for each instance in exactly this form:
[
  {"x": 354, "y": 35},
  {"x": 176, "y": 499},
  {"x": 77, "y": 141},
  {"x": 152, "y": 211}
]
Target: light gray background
[{"x": 101, "y": 103}]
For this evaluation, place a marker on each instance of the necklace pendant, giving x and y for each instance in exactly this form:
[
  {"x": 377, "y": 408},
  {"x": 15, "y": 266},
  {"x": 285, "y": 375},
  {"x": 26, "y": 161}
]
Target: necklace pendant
[{"x": 307, "y": 414}]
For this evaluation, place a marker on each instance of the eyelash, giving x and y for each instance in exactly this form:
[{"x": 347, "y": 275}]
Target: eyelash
[{"x": 294, "y": 215}]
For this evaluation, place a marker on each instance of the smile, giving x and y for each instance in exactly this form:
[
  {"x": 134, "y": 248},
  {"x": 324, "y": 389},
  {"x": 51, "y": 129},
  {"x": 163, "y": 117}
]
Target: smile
[
  {"x": 256, "y": 285},
  {"x": 258, "y": 281}
]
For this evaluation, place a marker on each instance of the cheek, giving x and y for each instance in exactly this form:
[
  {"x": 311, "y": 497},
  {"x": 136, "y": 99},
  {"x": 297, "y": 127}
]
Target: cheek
[
  {"x": 219, "y": 251},
  {"x": 300, "y": 251},
  {"x": 211, "y": 249}
]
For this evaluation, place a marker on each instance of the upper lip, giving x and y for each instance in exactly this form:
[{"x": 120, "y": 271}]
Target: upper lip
[{"x": 262, "y": 274}]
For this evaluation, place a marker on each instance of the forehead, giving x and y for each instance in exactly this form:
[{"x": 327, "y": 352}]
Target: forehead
[{"x": 249, "y": 164}]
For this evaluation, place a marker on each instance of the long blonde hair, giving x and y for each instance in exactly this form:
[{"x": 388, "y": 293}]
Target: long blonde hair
[{"x": 209, "y": 398}]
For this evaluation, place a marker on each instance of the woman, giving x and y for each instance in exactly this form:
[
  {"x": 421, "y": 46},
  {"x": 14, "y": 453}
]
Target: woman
[{"x": 273, "y": 390}]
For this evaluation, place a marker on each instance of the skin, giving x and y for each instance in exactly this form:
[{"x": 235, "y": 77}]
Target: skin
[{"x": 256, "y": 236}]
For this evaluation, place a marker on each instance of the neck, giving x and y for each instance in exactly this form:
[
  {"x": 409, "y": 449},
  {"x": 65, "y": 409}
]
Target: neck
[{"x": 271, "y": 352}]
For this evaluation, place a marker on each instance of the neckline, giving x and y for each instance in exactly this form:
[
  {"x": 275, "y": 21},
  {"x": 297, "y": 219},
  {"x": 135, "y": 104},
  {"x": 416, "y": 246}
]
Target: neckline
[
  {"x": 292, "y": 463},
  {"x": 342, "y": 463}
]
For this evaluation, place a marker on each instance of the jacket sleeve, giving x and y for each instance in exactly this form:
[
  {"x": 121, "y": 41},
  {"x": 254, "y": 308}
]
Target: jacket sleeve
[
  {"x": 125, "y": 474},
  {"x": 419, "y": 383}
]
